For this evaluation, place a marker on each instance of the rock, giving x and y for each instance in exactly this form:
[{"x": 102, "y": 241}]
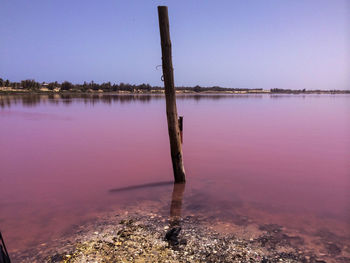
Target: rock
[
  {"x": 333, "y": 249},
  {"x": 172, "y": 235},
  {"x": 56, "y": 258}
]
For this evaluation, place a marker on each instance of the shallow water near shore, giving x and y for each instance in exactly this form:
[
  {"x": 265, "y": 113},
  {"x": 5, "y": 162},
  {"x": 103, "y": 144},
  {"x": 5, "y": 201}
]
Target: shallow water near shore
[{"x": 254, "y": 163}]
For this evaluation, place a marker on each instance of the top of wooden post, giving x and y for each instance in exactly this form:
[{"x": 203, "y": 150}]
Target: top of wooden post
[{"x": 164, "y": 25}]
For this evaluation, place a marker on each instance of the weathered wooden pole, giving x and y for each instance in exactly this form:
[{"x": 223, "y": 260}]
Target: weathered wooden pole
[
  {"x": 181, "y": 127},
  {"x": 171, "y": 111}
]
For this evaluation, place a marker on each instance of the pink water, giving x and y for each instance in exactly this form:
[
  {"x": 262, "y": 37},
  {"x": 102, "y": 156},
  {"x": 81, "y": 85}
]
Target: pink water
[{"x": 274, "y": 159}]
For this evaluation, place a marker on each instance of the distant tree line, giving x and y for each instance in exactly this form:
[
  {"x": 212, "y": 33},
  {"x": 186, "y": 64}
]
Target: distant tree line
[
  {"x": 295, "y": 91},
  {"x": 33, "y": 85},
  {"x": 287, "y": 91}
]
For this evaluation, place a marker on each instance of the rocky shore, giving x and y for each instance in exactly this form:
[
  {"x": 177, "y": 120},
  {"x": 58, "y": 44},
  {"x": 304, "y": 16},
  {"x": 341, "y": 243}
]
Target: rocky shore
[{"x": 150, "y": 237}]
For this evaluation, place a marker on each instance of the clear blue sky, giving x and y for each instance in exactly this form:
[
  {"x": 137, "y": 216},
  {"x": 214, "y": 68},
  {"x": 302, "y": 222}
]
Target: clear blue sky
[{"x": 239, "y": 44}]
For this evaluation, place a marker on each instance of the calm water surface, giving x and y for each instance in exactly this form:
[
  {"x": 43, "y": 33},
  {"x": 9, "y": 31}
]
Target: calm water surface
[{"x": 278, "y": 159}]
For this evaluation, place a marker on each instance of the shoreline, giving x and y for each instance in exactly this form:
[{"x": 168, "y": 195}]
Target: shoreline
[
  {"x": 131, "y": 234},
  {"x": 141, "y": 238},
  {"x": 161, "y": 92}
]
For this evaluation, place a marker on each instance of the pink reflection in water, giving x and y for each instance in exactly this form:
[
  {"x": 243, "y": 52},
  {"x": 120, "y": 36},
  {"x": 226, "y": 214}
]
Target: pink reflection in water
[{"x": 270, "y": 157}]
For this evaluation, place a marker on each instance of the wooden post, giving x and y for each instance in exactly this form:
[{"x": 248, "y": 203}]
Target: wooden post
[
  {"x": 171, "y": 111},
  {"x": 181, "y": 122}
]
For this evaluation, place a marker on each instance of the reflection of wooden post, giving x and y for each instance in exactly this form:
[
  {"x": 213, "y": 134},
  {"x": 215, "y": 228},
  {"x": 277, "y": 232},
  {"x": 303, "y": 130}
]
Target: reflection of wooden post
[
  {"x": 173, "y": 125},
  {"x": 172, "y": 235},
  {"x": 176, "y": 204}
]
